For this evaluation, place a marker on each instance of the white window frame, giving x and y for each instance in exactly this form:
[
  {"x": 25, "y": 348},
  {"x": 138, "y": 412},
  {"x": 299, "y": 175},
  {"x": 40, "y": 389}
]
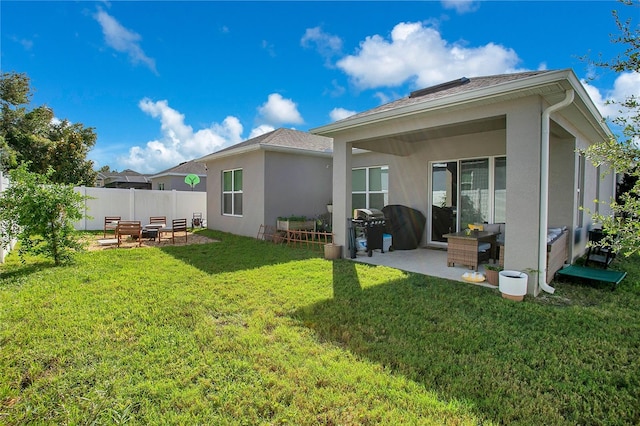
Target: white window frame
[
  {"x": 367, "y": 192},
  {"x": 232, "y": 192}
]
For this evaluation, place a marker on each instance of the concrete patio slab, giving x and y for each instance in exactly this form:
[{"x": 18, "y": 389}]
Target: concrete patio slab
[{"x": 426, "y": 261}]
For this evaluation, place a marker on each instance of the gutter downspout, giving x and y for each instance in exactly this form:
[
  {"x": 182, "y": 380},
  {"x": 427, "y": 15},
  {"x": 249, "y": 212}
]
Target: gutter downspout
[{"x": 544, "y": 190}]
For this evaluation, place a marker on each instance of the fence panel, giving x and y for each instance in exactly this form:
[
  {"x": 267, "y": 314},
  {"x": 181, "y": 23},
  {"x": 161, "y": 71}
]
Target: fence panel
[
  {"x": 132, "y": 204},
  {"x": 4, "y": 184}
]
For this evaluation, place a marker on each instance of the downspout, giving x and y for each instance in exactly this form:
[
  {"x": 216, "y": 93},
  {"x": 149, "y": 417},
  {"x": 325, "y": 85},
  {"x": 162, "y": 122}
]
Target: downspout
[{"x": 544, "y": 190}]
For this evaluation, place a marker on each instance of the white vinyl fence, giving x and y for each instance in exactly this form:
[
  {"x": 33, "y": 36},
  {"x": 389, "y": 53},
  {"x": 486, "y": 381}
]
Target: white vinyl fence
[
  {"x": 138, "y": 204},
  {"x": 4, "y": 251}
]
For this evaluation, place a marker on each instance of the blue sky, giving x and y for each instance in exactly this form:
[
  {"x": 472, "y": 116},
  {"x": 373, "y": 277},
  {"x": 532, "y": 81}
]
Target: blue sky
[{"x": 164, "y": 82}]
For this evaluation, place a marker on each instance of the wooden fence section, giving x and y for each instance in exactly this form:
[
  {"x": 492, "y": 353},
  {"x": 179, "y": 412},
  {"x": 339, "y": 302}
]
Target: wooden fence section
[{"x": 296, "y": 238}]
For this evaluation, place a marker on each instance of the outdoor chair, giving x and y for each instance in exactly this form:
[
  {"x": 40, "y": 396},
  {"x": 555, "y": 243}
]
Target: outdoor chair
[
  {"x": 110, "y": 224},
  {"x": 177, "y": 226},
  {"x": 158, "y": 220},
  {"x": 196, "y": 220},
  {"x": 129, "y": 228},
  {"x": 598, "y": 253}
]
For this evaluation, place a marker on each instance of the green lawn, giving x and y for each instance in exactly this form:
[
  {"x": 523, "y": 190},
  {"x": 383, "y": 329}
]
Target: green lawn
[{"x": 244, "y": 332}]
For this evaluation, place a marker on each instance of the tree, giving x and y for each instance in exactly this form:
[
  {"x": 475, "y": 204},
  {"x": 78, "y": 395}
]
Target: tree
[
  {"x": 40, "y": 215},
  {"x": 622, "y": 228},
  {"x": 37, "y": 138}
]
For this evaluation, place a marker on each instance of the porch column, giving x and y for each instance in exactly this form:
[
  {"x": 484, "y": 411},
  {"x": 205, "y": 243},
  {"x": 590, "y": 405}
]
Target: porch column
[
  {"x": 341, "y": 192},
  {"x": 523, "y": 189}
]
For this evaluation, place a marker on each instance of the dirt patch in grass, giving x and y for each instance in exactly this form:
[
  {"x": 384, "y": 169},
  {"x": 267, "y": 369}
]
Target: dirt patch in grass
[{"x": 95, "y": 243}]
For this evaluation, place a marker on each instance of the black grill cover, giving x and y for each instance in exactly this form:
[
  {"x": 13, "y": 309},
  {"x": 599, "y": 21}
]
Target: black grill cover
[{"x": 405, "y": 225}]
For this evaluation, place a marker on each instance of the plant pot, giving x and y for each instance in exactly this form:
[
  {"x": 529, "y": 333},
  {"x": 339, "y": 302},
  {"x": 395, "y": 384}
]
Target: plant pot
[
  {"x": 513, "y": 285},
  {"x": 332, "y": 251},
  {"x": 492, "y": 276}
]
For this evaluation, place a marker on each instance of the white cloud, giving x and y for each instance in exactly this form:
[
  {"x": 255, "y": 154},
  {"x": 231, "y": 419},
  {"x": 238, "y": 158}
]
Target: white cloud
[
  {"x": 123, "y": 40},
  {"x": 261, "y": 130},
  {"x": 179, "y": 142},
  {"x": 326, "y": 44},
  {"x": 417, "y": 53},
  {"x": 336, "y": 90},
  {"x": 340, "y": 113},
  {"x": 461, "y": 6},
  {"x": 269, "y": 48},
  {"x": 626, "y": 85},
  {"x": 278, "y": 110},
  {"x": 25, "y": 43}
]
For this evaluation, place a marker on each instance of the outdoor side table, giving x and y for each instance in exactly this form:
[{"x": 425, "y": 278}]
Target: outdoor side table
[{"x": 463, "y": 247}]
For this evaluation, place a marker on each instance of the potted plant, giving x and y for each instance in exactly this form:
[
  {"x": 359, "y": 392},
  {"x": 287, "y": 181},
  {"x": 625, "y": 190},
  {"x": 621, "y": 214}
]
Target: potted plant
[{"x": 492, "y": 272}]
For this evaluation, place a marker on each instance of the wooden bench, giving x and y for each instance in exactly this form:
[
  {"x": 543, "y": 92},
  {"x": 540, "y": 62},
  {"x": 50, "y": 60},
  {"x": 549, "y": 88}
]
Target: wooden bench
[
  {"x": 127, "y": 228},
  {"x": 110, "y": 224}
]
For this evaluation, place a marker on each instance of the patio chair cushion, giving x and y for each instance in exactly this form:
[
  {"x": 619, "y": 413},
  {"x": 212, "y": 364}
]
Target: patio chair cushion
[
  {"x": 482, "y": 247},
  {"x": 498, "y": 228}
]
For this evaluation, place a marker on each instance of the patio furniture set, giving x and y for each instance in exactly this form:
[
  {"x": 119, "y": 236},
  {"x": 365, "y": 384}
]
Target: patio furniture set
[
  {"x": 155, "y": 229},
  {"x": 486, "y": 243}
]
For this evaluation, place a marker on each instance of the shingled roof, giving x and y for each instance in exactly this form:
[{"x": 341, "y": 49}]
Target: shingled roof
[
  {"x": 444, "y": 90},
  {"x": 183, "y": 169},
  {"x": 287, "y": 139}
]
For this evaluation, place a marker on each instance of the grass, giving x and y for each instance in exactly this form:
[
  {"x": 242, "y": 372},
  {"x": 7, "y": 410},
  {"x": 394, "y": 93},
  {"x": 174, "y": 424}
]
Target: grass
[{"x": 246, "y": 332}]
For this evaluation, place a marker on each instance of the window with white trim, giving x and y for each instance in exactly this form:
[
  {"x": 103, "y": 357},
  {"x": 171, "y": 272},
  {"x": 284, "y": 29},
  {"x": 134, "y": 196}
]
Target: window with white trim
[
  {"x": 232, "y": 192},
  {"x": 370, "y": 187}
]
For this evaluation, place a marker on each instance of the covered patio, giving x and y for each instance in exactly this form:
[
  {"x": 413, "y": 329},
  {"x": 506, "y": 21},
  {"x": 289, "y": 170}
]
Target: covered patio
[
  {"x": 498, "y": 150},
  {"x": 423, "y": 260}
]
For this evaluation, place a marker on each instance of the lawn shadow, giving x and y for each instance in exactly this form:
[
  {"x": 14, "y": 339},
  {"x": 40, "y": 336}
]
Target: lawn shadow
[
  {"x": 462, "y": 342},
  {"x": 345, "y": 280},
  {"x": 15, "y": 273},
  {"x": 406, "y": 327}
]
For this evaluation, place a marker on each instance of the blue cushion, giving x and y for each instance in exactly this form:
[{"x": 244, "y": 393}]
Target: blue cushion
[{"x": 484, "y": 247}]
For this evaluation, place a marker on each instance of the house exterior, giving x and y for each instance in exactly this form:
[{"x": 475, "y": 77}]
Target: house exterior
[
  {"x": 174, "y": 178},
  {"x": 281, "y": 173},
  {"x": 126, "y": 179},
  {"x": 496, "y": 149}
]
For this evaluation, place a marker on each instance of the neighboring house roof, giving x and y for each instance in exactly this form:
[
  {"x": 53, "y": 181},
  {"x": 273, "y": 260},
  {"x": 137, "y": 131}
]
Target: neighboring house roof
[
  {"x": 127, "y": 178},
  {"x": 481, "y": 90},
  {"x": 183, "y": 169},
  {"x": 285, "y": 140}
]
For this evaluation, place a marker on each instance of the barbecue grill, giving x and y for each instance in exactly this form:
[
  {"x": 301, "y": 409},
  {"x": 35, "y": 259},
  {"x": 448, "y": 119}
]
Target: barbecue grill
[{"x": 369, "y": 223}]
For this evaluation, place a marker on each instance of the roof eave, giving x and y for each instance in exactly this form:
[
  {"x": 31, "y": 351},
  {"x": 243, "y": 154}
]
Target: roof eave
[
  {"x": 264, "y": 147},
  {"x": 227, "y": 153},
  {"x": 469, "y": 97},
  {"x": 175, "y": 174}
]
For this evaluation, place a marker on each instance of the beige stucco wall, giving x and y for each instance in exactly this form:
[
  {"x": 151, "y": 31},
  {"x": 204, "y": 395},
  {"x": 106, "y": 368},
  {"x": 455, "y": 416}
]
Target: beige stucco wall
[
  {"x": 252, "y": 165},
  {"x": 295, "y": 184}
]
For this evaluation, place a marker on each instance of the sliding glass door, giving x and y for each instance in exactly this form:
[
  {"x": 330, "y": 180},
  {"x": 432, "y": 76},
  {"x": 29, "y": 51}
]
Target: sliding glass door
[
  {"x": 466, "y": 191},
  {"x": 444, "y": 199},
  {"x": 474, "y": 192}
]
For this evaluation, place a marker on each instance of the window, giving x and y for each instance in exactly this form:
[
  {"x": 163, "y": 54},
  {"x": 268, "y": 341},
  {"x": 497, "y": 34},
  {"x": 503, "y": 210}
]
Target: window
[
  {"x": 370, "y": 187},
  {"x": 161, "y": 186},
  {"x": 500, "y": 190},
  {"x": 232, "y": 192}
]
